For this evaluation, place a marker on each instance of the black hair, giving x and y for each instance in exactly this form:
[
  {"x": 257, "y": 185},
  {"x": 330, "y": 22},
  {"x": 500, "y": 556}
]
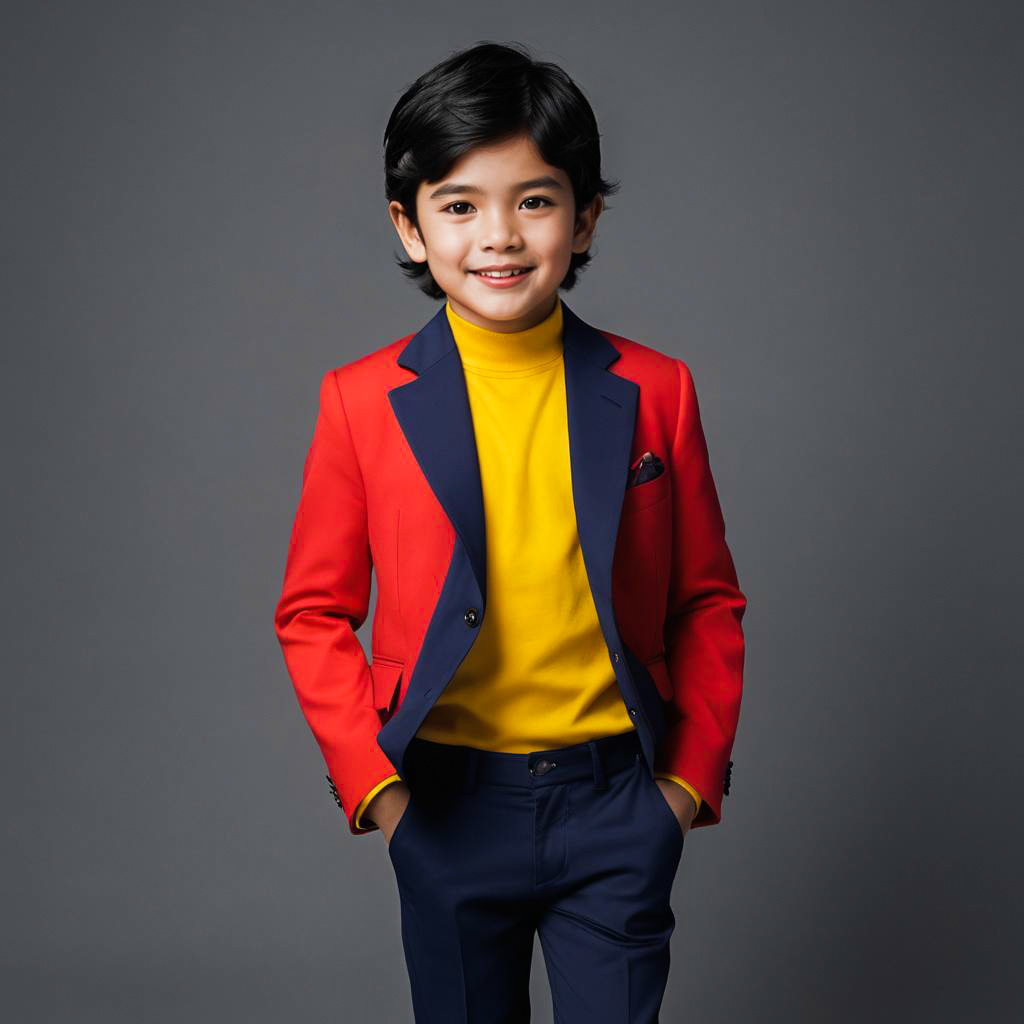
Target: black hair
[{"x": 481, "y": 95}]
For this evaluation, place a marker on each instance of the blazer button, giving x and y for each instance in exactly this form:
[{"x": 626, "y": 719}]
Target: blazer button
[{"x": 472, "y": 616}]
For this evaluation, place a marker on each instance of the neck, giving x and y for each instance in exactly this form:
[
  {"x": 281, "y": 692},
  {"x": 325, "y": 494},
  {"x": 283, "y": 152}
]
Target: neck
[{"x": 483, "y": 348}]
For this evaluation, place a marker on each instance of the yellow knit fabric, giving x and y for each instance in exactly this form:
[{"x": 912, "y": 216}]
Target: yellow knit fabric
[{"x": 538, "y": 675}]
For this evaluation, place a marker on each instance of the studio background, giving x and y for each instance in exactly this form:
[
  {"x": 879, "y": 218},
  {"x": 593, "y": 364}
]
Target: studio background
[{"x": 820, "y": 213}]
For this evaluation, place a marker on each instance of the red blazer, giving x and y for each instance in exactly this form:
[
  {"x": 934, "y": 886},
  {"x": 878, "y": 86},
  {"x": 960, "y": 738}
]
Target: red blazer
[{"x": 392, "y": 483}]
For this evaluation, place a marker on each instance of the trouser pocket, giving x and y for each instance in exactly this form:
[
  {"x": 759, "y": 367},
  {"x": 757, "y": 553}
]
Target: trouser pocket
[
  {"x": 403, "y": 822},
  {"x": 663, "y": 809}
]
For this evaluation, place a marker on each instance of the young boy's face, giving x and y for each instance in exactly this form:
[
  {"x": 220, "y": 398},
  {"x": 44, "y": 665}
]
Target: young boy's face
[{"x": 501, "y": 204}]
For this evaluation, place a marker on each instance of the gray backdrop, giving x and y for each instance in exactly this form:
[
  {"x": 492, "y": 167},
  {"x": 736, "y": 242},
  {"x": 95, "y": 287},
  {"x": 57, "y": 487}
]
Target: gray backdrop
[{"x": 820, "y": 213}]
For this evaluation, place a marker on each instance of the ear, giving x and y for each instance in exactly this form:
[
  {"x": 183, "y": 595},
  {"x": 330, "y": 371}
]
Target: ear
[
  {"x": 407, "y": 232},
  {"x": 586, "y": 222}
]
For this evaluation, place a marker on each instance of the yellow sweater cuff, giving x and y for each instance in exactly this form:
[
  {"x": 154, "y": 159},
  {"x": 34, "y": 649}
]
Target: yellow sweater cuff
[
  {"x": 369, "y": 796},
  {"x": 684, "y": 784}
]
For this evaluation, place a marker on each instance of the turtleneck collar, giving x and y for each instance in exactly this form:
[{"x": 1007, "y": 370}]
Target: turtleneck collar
[{"x": 484, "y": 349}]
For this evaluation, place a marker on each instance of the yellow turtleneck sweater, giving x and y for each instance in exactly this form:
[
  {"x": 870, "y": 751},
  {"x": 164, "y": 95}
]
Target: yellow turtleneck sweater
[{"x": 538, "y": 674}]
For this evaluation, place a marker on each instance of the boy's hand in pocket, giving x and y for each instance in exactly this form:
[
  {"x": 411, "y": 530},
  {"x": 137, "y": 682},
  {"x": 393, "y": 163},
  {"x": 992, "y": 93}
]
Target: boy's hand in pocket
[
  {"x": 680, "y": 800},
  {"x": 387, "y": 807}
]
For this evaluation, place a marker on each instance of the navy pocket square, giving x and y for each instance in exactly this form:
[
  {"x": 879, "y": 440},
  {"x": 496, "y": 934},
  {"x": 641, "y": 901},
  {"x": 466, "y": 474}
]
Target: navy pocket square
[{"x": 647, "y": 467}]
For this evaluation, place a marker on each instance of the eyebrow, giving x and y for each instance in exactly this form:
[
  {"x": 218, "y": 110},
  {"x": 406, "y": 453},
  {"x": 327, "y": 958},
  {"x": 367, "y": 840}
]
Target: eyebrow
[{"x": 455, "y": 188}]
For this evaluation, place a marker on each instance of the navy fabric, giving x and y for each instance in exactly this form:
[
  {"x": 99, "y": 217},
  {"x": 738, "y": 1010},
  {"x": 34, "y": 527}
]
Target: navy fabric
[{"x": 576, "y": 844}]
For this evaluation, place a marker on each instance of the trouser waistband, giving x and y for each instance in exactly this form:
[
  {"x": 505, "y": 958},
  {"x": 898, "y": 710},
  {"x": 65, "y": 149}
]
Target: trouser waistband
[{"x": 595, "y": 759}]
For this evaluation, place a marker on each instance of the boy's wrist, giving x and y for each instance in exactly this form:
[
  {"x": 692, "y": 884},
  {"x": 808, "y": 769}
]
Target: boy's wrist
[
  {"x": 683, "y": 784},
  {"x": 387, "y": 804},
  {"x": 680, "y": 799}
]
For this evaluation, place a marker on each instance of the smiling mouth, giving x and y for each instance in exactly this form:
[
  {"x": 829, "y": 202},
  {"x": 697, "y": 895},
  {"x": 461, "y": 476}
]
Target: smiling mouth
[{"x": 502, "y": 274}]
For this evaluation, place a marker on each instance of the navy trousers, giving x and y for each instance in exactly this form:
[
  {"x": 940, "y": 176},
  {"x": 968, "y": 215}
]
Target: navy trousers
[{"x": 577, "y": 844}]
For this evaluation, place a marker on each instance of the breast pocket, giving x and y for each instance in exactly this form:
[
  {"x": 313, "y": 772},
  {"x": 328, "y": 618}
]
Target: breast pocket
[{"x": 646, "y": 494}]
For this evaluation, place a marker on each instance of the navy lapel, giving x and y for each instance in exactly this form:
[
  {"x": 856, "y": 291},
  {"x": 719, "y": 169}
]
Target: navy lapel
[
  {"x": 434, "y": 414},
  {"x": 601, "y": 409}
]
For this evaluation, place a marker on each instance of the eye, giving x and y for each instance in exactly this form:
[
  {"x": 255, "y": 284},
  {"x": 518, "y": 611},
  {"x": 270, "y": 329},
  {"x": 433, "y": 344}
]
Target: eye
[{"x": 450, "y": 208}]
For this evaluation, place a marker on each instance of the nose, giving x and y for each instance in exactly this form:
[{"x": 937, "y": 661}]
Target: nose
[{"x": 498, "y": 230}]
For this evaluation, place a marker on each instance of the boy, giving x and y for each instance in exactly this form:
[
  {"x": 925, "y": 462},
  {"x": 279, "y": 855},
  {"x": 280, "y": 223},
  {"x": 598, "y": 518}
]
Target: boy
[{"x": 557, "y": 653}]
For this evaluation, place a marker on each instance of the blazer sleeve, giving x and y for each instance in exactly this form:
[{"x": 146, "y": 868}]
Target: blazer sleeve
[
  {"x": 704, "y": 644},
  {"x": 324, "y": 600}
]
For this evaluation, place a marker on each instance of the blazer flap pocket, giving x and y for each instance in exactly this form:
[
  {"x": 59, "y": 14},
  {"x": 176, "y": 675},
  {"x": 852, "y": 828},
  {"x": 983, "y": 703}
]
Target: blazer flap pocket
[
  {"x": 387, "y": 674},
  {"x": 659, "y": 673}
]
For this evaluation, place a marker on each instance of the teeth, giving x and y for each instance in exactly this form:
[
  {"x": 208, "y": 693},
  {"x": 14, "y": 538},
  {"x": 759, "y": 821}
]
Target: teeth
[{"x": 500, "y": 273}]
